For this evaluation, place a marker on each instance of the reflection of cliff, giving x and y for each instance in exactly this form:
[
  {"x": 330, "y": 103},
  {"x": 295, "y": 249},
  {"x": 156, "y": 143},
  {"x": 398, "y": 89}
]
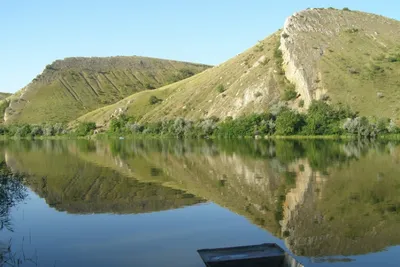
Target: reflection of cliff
[
  {"x": 355, "y": 211},
  {"x": 70, "y": 184}
]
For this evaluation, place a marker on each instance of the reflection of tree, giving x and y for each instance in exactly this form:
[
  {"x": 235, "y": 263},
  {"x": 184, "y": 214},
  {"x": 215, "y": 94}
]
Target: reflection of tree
[
  {"x": 12, "y": 191},
  {"x": 11, "y": 257}
]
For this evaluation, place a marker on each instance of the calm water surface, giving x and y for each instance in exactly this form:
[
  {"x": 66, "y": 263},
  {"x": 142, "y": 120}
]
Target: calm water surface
[{"x": 155, "y": 203}]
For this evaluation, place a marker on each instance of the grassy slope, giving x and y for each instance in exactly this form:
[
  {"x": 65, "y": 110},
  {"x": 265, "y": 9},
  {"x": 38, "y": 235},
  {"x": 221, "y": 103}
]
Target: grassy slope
[
  {"x": 4, "y": 95},
  {"x": 353, "y": 69},
  {"x": 251, "y": 80},
  {"x": 72, "y": 87}
]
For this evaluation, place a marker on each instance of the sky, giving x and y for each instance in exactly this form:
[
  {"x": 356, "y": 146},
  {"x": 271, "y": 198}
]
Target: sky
[{"x": 35, "y": 33}]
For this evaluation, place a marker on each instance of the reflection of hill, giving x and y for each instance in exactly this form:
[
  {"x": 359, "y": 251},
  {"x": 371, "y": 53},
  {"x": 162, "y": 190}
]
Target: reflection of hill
[
  {"x": 312, "y": 193},
  {"x": 325, "y": 198},
  {"x": 245, "y": 185},
  {"x": 70, "y": 184}
]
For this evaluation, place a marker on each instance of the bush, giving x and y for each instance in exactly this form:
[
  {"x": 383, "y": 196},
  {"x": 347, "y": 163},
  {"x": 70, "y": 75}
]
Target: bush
[
  {"x": 154, "y": 100},
  {"x": 23, "y": 130},
  {"x": 36, "y": 130},
  {"x": 149, "y": 86},
  {"x": 59, "y": 129},
  {"x": 352, "y": 30},
  {"x": 289, "y": 93},
  {"x": 220, "y": 88},
  {"x": 85, "y": 128},
  {"x": 361, "y": 127},
  {"x": 394, "y": 58},
  {"x": 48, "y": 130},
  {"x": 301, "y": 103},
  {"x": 346, "y": 9},
  {"x": 207, "y": 127},
  {"x": 134, "y": 127},
  {"x": 322, "y": 119},
  {"x": 382, "y": 126},
  {"x": 289, "y": 122},
  {"x": 393, "y": 128}
]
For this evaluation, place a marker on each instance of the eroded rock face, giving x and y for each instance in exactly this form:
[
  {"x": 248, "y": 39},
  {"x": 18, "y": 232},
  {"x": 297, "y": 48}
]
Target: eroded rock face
[{"x": 307, "y": 35}]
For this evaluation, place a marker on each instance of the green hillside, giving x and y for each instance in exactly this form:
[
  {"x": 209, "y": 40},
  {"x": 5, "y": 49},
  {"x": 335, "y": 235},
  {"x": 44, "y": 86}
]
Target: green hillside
[
  {"x": 338, "y": 56},
  {"x": 72, "y": 87},
  {"x": 250, "y": 82},
  {"x": 4, "y": 95}
]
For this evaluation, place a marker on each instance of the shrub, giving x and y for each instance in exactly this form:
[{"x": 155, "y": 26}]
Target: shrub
[
  {"x": 180, "y": 127},
  {"x": 134, "y": 127},
  {"x": 289, "y": 122},
  {"x": 220, "y": 88},
  {"x": 48, "y": 130},
  {"x": 346, "y": 9},
  {"x": 259, "y": 47},
  {"x": 3, "y": 130},
  {"x": 289, "y": 93},
  {"x": 278, "y": 52},
  {"x": 60, "y": 128},
  {"x": 257, "y": 94},
  {"x": 186, "y": 73},
  {"x": 23, "y": 130},
  {"x": 207, "y": 127},
  {"x": 361, "y": 127},
  {"x": 36, "y": 130},
  {"x": 149, "y": 86},
  {"x": 352, "y": 30},
  {"x": 382, "y": 125},
  {"x": 256, "y": 124},
  {"x": 85, "y": 128},
  {"x": 301, "y": 103},
  {"x": 321, "y": 119},
  {"x": 394, "y": 58},
  {"x": 393, "y": 128},
  {"x": 285, "y": 35},
  {"x": 154, "y": 100}
]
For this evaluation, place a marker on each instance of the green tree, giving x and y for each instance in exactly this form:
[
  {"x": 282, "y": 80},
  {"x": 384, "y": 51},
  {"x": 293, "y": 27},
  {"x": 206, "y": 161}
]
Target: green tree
[
  {"x": 289, "y": 122},
  {"x": 322, "y": 119},
  {"x": 85, "y": 128}
]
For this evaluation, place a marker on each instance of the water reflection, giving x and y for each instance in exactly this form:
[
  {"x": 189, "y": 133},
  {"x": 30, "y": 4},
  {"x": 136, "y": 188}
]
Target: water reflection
[
  {"x": 323, "y": 198},
  {"x": 55, "y": 172},
  {"x": 12, "y": 192}
]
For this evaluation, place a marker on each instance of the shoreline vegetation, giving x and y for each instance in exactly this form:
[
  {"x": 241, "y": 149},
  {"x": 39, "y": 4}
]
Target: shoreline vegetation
[{"x": 322, "y": 121}]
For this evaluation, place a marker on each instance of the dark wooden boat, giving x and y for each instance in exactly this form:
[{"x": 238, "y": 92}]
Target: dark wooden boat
[{"x": 265, "y": 255}]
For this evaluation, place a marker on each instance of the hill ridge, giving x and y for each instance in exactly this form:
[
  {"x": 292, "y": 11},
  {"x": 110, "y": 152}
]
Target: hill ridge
[{"x": 74, "y": 86}]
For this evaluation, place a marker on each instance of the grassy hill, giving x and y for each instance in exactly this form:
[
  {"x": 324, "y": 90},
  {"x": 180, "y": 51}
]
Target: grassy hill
[
  {"x": 72, "y": 87},
  {"x": 249, "y": 82},
  {"x": 4, "y": 95},
  {"x": 341, "y": 56}
]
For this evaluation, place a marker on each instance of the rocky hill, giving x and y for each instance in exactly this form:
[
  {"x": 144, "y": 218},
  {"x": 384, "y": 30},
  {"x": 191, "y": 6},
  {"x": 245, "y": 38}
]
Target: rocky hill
[
  {"x": 341, "y": 56},
  {"x": 72, "y": 87}
]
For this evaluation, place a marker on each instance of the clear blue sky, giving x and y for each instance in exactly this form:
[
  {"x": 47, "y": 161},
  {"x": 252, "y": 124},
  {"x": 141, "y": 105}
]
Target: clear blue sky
[{"x": 35, "y": 33}]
